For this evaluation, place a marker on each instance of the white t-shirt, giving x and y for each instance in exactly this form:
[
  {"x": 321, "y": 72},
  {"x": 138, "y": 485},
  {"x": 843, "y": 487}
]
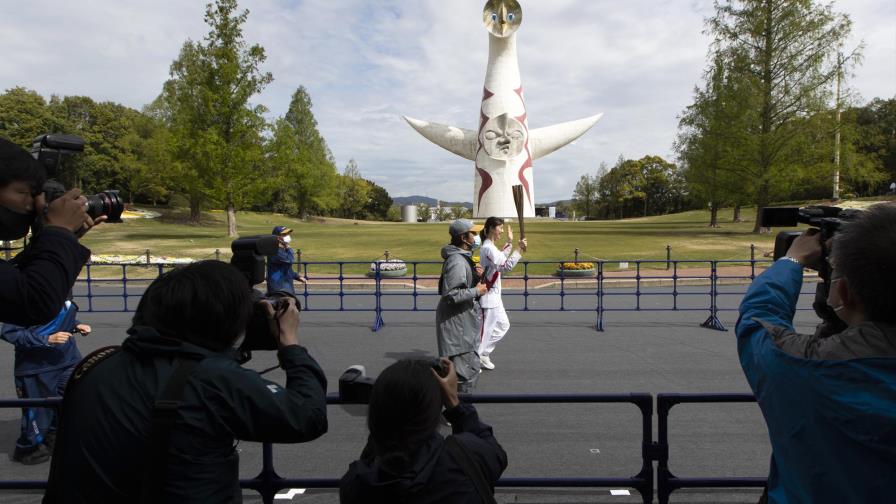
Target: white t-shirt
[{"x": 494, "y": 262}]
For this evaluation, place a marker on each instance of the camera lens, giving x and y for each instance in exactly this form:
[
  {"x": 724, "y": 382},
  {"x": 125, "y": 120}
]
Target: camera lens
[{"x": 106, "y": 203}]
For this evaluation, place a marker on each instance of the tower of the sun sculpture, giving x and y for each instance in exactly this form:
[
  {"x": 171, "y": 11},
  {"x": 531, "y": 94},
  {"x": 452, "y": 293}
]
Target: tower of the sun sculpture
[{"x": 503, "y": 148}]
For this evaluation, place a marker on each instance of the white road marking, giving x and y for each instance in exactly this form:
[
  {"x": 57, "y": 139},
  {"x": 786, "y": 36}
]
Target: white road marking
[
  {"x": 620, "y": 492},
  {"x": 594, "y": 451},
  {"x": 290, "y": 494}
]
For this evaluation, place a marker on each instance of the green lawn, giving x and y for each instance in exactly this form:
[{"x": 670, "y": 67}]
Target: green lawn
[{"x": 345, "y": 240}]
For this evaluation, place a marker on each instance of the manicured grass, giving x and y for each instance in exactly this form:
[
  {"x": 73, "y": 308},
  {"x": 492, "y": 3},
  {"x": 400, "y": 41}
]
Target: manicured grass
[{"x": 346, "y": 240}]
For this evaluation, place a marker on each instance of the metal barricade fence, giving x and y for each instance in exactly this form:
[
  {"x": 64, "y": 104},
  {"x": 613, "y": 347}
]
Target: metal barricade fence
[
  {"x": 379, "y": 292},
  {"x": 668, "y": 482},
  {"x": 269, "y": 482}
]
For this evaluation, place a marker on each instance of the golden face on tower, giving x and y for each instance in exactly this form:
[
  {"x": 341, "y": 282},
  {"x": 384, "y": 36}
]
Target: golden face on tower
[{"x": 502, "y": 17}]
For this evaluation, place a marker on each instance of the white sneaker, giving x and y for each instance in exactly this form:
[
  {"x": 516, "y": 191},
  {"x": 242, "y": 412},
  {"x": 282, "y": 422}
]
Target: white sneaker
[{"x": 486, "y": 362}]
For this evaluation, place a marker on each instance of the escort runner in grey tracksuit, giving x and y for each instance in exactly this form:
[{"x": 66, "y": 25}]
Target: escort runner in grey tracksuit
[{"x": 457, "y": 315}]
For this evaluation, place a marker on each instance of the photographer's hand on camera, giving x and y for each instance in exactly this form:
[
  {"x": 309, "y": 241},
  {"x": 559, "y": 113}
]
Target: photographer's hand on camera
[
  {"x": 68, "y": 211},
  {"x": 284, "y": 321},
  {"x": 448, "y": 383},
  {"x": 807, "y": 249}
]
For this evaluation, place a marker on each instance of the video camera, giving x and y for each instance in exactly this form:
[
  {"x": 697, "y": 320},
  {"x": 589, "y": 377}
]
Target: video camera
[
  {"x": 828, "y": 219},
  {"x": 49, "y": 150},
  {"x": 249, "y": 256}
]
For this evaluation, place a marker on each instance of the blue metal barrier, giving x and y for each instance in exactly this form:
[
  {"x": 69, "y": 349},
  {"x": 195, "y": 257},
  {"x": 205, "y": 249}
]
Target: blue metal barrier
[
  {"x": 668, "y": 482},
  {"x": 269, "y": 482},
  {"x": 379, "y": 290}
]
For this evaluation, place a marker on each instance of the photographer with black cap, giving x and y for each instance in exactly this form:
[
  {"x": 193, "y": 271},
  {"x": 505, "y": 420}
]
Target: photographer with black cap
[
  {"x": 829, "y": 401},
  {"x": 35, "y": 284},
  {"x": 157, "y": 421}
]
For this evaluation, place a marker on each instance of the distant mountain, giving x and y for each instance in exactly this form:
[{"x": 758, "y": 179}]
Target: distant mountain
[{"x": 416, "y": 200}]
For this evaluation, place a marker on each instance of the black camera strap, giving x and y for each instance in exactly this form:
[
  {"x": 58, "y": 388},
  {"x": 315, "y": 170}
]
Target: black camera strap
[
  {"x": 473, "y": 471},
  {"x": 164, "y": 416}
]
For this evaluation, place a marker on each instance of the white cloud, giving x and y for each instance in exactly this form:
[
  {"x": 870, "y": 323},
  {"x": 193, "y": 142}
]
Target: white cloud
[{"x": 366, "y": 63}]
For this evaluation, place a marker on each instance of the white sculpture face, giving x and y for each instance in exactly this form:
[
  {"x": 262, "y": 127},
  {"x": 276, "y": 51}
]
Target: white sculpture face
[
  {"x": 502, "y": 18},
  {"x": 503, "y": 137}
]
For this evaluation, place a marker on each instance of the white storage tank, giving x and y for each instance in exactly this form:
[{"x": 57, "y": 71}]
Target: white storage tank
[{"x": 409, "y": 213}]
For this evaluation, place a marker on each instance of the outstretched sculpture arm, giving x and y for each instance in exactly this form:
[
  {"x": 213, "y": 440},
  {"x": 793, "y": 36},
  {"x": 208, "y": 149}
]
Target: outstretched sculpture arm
[
  {"x": 544, "y": 141},
  {"x": 462, "y": 142}
]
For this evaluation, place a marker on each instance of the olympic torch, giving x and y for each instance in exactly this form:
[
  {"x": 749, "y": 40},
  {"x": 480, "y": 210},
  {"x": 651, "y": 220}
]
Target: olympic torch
[{"x": 518, "y": 202}]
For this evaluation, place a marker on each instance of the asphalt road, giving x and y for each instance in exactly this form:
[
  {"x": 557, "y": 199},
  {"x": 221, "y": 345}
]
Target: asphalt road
[{"x": 544, "y": 352}]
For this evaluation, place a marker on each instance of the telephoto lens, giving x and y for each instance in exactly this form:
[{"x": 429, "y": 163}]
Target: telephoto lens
[{"x": 106, "y": 203}]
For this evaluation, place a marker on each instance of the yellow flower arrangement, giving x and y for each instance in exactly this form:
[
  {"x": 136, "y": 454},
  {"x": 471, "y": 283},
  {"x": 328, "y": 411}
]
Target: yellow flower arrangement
[{"x": 576, "y": 266}]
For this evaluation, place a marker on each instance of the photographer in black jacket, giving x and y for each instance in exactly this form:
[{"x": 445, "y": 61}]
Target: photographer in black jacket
[
  {"x": 35, "y": 284},
  {"x": 158, "y": 420},
  {"x": 406, "y": 458}
]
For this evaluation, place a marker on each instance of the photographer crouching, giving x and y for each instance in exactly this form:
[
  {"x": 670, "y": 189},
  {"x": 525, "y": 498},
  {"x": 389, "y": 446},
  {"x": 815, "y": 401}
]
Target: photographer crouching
[
  {"x": 157, "y": 421},
  {"x": 829, "y": 402},
  {"x": 35, "y": 284}
]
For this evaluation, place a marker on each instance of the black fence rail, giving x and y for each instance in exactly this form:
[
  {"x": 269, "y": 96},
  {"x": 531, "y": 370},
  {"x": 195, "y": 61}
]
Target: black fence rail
[
  {"x": 668, "y": 482},
  {"x": 269, "y": 482}
]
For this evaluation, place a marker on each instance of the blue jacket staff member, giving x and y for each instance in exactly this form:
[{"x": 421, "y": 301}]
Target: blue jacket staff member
[
  {"x": 45, "y": 358},
  {"x": 829, "y": 403},
  {"x": 281, "y": 274}
]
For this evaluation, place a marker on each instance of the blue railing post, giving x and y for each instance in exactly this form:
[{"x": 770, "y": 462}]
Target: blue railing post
[
  {"x": 713, "y": 321},
  {"x": 268, "y": 482},
  {"x": 89, "y": 289},
  {"x": 752, "y": 261},
  {"x": 124, "y": 286},
  {"x": 526, "y": 286},
  {"x": 637, "y": 285},
  {"x": 378, "y": 294},
  {"x": 414, "y": 280},
  {"x": 675, "y": 285},
  {"x": 600, "y": 295}
]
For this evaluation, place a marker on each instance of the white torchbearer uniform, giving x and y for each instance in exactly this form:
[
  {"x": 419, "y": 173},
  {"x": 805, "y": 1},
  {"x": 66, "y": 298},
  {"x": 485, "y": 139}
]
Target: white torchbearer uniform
[{"x": 495, "y": 323}]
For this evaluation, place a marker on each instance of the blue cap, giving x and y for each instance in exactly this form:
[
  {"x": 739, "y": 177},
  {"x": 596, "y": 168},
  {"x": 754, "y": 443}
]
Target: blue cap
[{"x": 281, "y": 230}]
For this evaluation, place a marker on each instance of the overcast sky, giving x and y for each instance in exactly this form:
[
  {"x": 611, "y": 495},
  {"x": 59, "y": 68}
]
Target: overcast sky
[{"x": 366, "y": 63}]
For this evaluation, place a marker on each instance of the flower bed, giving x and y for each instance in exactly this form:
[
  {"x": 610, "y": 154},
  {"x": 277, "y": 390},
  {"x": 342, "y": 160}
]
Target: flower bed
[
  {"x": 576, "y": 270},
  {"x": 388, "y": 268}
]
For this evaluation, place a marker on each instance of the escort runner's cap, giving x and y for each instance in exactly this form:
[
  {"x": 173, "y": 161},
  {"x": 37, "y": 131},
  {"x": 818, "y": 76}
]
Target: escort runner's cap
[
  {"x": 461, "y": 226},
  {"x": 281, "y": 231}
]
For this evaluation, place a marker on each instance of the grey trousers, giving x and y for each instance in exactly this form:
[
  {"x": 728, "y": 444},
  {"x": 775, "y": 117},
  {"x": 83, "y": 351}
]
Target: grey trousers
[{"x": 466, "y": 365}]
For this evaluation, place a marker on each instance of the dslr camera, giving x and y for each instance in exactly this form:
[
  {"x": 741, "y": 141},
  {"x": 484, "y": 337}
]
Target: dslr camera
[
  {"x": 249, "y": 256},
  {"x": 49, "y": 150}
]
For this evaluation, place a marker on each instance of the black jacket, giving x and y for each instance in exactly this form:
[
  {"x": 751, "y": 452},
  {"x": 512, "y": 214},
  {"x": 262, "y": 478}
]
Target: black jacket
[
  {"x": 101, "y": 451},
  {"x": 35, "y": 284},
  {"x": 434, "y": 476}
]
